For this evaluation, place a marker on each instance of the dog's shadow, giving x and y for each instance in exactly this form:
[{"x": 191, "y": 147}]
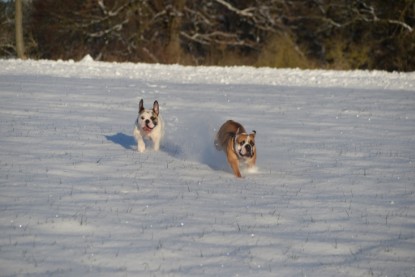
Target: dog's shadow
[
  {"x": 213, "y": 158},
  {"x": 126, "y": 141}
]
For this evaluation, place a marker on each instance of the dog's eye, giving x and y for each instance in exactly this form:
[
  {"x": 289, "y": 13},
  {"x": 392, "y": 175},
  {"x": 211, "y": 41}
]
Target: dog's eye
[
  {"x": 252, "y": 143},
  {"x": 142, "y": 118},
  {"x": 242, "y": 143},
  {"x": 153, "y": 118}
]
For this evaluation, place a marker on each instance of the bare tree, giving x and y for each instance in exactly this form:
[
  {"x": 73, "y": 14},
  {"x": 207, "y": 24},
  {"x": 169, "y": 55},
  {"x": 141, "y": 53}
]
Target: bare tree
[
  {"x": 19, "y": 30},
  {"x": 208, "y": 31},
  {"x": 7, "y": 30}
]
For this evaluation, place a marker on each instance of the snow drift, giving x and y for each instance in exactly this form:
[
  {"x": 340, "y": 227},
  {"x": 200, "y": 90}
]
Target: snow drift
[{"x": 334, "y": 194}]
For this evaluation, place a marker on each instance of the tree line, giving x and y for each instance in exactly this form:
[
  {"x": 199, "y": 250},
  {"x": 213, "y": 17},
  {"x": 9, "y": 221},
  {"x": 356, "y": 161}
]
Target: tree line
[{"x": 330, "y": 34}]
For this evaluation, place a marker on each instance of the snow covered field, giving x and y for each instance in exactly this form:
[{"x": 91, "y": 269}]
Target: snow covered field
[{"x": 334, "y": 194}]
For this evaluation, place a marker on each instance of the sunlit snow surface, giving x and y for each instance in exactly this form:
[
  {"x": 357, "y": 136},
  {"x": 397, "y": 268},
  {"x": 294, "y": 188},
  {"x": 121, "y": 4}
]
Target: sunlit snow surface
[{"x": 333, "y": 194}]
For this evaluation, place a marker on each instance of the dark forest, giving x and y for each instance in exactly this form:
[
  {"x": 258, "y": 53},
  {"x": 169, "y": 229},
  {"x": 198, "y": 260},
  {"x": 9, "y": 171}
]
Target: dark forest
[{"x": 309, "y": 34}]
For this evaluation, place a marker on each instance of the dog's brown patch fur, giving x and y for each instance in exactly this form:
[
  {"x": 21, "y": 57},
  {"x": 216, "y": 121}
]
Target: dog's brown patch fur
[{"x": 229, "y": 134}]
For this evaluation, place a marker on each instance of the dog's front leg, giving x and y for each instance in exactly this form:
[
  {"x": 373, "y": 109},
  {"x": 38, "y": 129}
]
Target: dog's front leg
[
  {"x": 141, "y": 145},
  {"x": 234, "y": 163},
  {"x": 251, "y": 162},
  {"x": 156, "y": 141},
  {"x": 156, "y": 145}
]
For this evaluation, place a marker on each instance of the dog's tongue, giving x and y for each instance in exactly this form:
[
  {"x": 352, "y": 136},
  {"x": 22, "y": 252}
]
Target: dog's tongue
[{"x": 147, "y": 129}]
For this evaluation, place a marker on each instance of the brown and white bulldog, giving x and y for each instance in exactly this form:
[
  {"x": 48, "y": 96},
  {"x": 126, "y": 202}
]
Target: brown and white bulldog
[
  {"x": 149, "y": 125},
  {"x": 238, "y": 145}
]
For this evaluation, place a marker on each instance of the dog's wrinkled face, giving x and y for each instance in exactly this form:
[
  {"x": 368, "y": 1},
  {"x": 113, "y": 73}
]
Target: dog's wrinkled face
[
  {"x": 245, "y": 144},
  {"x": 147, "y": 119}
]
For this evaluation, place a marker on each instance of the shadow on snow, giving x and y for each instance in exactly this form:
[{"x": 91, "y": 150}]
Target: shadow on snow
[
  {"x": 203, "y": 152},
  {"x": 126, "y": 141}
]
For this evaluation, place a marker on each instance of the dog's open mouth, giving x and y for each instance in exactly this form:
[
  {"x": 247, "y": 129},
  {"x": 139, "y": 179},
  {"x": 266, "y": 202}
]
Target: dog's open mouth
[
  {"x": 147, "y": 129},
  {"x": 247, "y": 154}
]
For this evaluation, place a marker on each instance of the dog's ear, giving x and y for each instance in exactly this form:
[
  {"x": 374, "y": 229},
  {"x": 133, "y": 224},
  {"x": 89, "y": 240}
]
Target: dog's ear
[
  {"x": 156, "y": 107},
  {"x": 141, "y": 106},
  {"x": 253, "y": 134}
]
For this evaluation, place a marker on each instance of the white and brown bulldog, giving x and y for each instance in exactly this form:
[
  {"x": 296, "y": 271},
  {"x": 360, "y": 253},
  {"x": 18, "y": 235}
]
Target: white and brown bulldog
[
  {"x": 149, "y": 125},
  {"x": 238, "y": 145}
]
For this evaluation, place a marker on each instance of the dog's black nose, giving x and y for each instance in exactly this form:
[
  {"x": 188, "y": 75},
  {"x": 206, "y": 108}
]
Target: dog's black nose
[
  {"x": 248, "y": 148},
  {"x": 147, "y": 121}
]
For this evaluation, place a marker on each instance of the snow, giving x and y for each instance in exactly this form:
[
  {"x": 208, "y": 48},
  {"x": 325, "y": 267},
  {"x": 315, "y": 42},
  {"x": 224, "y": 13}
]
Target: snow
[{"x": 333, "y": 194}]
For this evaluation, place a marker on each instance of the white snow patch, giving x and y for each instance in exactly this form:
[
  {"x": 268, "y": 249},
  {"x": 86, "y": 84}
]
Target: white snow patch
[
  {"x": 87, "y": 59},
  {"x": 333, "y": 195}
]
